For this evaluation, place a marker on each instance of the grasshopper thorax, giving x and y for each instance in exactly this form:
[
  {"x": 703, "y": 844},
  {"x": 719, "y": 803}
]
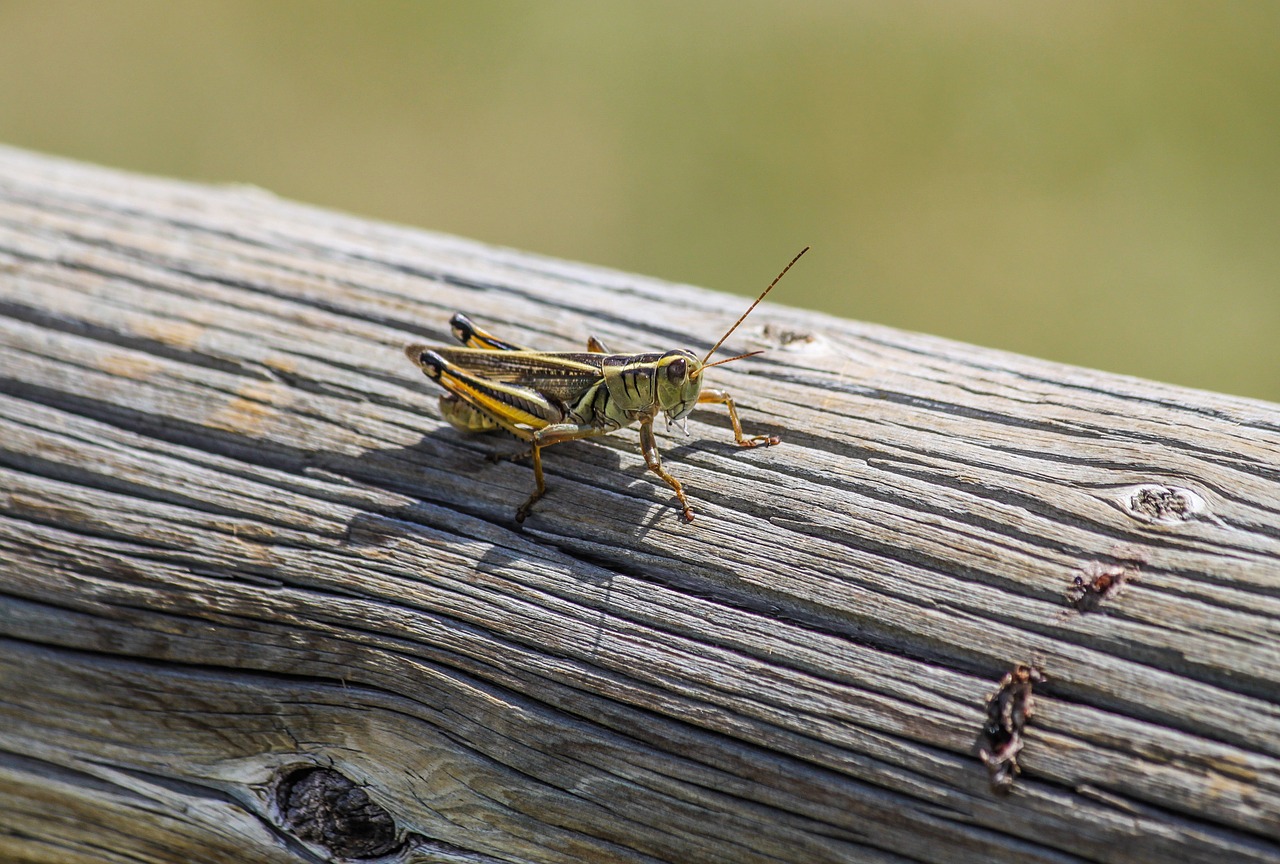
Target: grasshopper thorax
[{"x": 646, "y": 385}]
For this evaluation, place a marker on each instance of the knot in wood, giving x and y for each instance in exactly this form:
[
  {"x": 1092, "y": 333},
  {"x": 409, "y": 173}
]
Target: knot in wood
[
  {"x": 1162, "y": 504},
  {"x": 1097, "y": 582},
  {"x": 786, "y": 339},
  {"x": 324, "y": 808}
]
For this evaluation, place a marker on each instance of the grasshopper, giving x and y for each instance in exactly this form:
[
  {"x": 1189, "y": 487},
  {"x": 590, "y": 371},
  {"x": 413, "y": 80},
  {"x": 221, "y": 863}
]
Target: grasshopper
[{"x": 545, "y": 398}]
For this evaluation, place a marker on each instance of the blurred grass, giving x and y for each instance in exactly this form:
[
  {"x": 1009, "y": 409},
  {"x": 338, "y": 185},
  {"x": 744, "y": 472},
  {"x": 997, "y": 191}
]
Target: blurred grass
[{"x": 1096, "y": 183}]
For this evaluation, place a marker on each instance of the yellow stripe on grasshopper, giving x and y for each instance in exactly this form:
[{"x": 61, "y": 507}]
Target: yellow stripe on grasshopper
[{"x": 519, "y": 410}]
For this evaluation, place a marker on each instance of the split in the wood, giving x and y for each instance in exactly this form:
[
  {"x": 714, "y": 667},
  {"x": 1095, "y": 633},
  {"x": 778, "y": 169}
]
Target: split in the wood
[{"x": 1008, "y": 710}]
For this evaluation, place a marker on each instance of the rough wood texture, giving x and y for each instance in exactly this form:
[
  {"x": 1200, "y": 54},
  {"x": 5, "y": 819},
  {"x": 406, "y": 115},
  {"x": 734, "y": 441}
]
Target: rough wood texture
[{"x": 238, "y": 541}]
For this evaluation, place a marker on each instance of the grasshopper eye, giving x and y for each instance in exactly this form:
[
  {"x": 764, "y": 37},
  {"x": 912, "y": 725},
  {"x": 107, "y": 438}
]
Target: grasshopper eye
[{"x": 677, "y": 370}]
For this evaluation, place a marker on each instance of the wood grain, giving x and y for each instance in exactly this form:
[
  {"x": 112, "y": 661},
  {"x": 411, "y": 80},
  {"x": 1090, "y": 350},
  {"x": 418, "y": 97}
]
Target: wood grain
[{"x": 238, "y": 542}]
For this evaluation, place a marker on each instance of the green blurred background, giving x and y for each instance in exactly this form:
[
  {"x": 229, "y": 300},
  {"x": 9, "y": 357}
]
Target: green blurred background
[{"x": 1097, "y": 183}]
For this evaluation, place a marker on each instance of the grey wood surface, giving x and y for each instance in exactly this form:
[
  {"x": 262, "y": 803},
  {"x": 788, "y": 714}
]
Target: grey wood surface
[{"x": 237, "y": 541}]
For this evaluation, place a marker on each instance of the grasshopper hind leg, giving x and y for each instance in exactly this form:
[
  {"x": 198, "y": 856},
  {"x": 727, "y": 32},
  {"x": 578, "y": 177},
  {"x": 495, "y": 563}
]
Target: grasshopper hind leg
[{"x": 473, "y": 337}]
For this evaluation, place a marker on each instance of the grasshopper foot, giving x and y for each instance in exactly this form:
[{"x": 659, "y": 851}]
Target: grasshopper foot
[
  {"x": 527, "y": 507},
  {"x": 760, "y": 441}
]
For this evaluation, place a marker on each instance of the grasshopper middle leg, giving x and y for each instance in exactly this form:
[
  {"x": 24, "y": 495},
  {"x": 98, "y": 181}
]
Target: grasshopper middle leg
[{"x": 545, "y": 437}]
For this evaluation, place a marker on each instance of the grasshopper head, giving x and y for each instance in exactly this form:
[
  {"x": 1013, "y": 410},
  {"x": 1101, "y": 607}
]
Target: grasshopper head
[{"x": 679, "y": 381}]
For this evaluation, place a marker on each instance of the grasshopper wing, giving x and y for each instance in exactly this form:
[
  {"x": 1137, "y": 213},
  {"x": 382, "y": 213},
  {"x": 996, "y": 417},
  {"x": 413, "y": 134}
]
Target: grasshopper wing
[
  {"x": 518, "y": 409},
  {"x": 557, "y": 377}
]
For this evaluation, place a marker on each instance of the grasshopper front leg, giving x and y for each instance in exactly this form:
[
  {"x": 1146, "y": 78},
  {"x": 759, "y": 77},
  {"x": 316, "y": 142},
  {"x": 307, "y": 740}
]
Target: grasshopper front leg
[{"x": 722, "y": 397}]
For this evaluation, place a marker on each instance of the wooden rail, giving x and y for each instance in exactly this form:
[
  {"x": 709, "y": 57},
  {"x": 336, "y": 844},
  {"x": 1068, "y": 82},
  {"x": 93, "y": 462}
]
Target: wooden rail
[{"x": 259, "y": 603}]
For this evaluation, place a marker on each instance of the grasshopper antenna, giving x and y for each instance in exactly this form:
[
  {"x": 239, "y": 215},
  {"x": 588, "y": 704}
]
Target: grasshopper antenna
[
  {"x": 744, "y": 315},
  {"x": 731, "y": 359}
]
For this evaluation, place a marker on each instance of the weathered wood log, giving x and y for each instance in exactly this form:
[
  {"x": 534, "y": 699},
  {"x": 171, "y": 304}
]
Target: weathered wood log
[{"x": 259, "y": 603}]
